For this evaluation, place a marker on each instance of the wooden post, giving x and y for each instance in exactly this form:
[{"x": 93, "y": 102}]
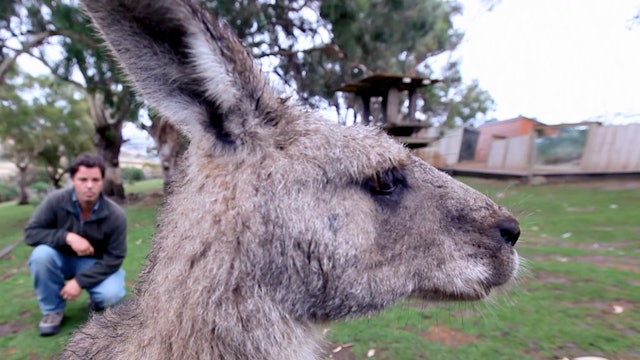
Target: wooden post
[
  {"x": 392, "y": 106},
  {"x": 413, "y": 96},
  {"x": 532, "y": 154},
  {"x": 366, "y": 109}
]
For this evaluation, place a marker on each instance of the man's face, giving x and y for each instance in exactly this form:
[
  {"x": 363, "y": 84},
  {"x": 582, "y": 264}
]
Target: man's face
[{"x": 88, "y": 184}]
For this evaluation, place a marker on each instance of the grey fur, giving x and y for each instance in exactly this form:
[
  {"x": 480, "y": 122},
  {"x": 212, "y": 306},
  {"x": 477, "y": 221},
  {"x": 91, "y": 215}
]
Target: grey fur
[{"x": 278, "y": 221}]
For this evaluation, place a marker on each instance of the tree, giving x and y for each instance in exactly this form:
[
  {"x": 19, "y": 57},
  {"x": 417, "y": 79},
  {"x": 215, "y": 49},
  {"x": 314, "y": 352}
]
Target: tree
[
  {"x": 80, "y": 60},
  {"x": 65, "y": 110},
  {"x": 111, "y": 101},
  {"x": 466, "y": 104},
  {"x": 312, "y": 46},
  {"x": 21, "y": 31},
  {"x": 335, "y": 42},
  {"x": 367, "y": 42},
  {"x": 171, "y": 144},
  {"x": 363, "y": 41},
  {"x": 20, "y": 134},
  {"x": 44, "y": 122}
]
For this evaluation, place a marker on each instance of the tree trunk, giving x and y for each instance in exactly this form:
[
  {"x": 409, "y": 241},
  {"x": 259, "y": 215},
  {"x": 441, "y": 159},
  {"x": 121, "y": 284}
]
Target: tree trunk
[
  {"x": 108, "y": 140},
  {"x": 9, "y": 61},
  {"x": 170, "y": 143},
  {"x": 54, "y": 175},
  {"x": 23, "y": 182}
]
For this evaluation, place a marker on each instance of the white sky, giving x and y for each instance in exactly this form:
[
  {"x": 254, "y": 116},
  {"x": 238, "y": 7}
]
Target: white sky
[{"x": 555, "y": 60}]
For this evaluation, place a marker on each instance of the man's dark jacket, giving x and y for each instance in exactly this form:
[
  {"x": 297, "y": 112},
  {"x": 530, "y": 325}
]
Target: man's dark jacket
[{"x": 106, "y": 230}]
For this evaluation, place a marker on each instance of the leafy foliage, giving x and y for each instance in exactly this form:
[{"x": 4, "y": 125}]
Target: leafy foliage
[
  {"x": 316, "y": 46},
  {"x": 312, "y": 46},
  {"x": 7, "y": 192},
  {"x": 45, "y": 122},
  {"x": 132, "y": 174},
  {"x": 466, "y": 103},
  {"x": 59, "y": 35}
]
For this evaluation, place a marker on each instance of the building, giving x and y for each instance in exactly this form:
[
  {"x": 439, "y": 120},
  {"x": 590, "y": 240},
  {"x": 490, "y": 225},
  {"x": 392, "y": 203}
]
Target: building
[
  {"x": 526, "y": 147},
  {"x": 505, "y": 129}
]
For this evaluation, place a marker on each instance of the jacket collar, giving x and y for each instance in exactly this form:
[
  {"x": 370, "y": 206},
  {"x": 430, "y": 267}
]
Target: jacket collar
[{"x": 98, "y": 210}]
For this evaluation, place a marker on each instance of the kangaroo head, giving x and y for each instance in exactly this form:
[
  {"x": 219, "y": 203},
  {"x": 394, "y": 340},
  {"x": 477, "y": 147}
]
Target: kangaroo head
[{"x": 320, "y": 220}]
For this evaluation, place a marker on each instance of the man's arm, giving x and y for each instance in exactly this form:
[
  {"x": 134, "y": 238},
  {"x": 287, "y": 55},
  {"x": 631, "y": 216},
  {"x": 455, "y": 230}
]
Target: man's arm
[
  {"x": 113, "y": 256},
  {"x": 42, "y": 226}
]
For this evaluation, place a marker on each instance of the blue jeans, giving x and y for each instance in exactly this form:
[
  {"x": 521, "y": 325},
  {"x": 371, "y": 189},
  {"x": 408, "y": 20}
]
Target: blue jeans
[{"x": 49, "y": 270}]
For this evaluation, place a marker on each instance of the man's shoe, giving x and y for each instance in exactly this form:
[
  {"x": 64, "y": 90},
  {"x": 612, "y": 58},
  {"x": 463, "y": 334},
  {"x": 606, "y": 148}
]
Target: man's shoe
[
  {"x": 95, "y": 307},
  {"x": 50, "y": 323}
]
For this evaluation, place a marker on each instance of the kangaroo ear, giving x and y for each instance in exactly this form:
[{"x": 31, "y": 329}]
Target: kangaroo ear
[{"x": 187, "y": 65}]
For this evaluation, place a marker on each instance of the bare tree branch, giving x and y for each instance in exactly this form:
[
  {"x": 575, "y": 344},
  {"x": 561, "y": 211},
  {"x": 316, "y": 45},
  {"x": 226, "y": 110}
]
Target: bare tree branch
[{"x": 36, "y": 41}]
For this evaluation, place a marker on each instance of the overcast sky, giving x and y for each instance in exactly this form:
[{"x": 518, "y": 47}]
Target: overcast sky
[{"x": 555, "y": 60}]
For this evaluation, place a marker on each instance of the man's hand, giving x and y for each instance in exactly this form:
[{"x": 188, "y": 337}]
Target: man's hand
[
  {"x": 80, "y": 245},
  {"x": 71, "y": 290}
]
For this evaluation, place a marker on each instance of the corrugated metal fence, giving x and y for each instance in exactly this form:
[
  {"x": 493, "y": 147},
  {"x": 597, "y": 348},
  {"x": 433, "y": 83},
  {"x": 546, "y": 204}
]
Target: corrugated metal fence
[{"x": 612, "y": 148}]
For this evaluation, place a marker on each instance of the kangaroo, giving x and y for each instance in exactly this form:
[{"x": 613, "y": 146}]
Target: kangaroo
[{"x": 278, "y": 221}]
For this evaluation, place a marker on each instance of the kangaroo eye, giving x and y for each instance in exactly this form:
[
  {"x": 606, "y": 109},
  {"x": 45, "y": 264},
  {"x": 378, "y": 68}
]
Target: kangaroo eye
[{"x": 385, "y": 182}]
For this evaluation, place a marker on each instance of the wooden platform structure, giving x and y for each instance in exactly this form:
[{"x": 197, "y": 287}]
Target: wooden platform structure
[
  {"x": 551, "y": 173},
  {"x": 388, "y": 88}
]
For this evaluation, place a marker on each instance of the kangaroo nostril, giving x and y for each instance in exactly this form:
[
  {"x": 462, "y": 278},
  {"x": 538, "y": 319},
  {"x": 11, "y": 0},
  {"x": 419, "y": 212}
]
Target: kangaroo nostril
[{"x": 509, "y": 231}]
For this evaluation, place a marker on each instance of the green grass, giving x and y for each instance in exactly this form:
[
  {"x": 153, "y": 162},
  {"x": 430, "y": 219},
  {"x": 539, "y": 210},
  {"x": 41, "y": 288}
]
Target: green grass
[
  {"x": 582, "y": 243},
  {"x": 19, "y": 312},
  {"x": 146, "y": 186},
  {"x": 583, "y": 246}
]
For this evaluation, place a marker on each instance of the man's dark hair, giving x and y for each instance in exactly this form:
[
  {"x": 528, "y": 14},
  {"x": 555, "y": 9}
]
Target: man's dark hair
[{"x": 89, "y": 160}]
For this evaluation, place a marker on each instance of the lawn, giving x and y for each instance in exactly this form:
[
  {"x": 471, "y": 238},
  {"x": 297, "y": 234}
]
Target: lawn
[{"x": 579, "y": 296}]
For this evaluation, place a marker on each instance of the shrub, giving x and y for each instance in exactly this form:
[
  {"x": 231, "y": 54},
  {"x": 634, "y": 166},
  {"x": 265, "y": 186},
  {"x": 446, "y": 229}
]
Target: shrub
[
  {"x": 131, "y": 174},
  {"x": 8, "y": 192},
  {"x": 40, "y": 187},
  {"x": 40, "y": 175}
]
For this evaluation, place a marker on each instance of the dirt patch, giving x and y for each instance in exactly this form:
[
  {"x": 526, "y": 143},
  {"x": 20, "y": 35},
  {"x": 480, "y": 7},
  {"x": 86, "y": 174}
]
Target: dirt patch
[
  {"x": 9, "y": 273},
  {"x": 341, "y": 352},
  {"x": 625, "y": 263},
  {"x": 150, "y": 199},
  {"x": 629, "y": 356},
  {"x": 545, "y": 241},
  {"x": 605, "y": 184},
  {"x": 422, "y": 305},
  {"x": 605, "y": 307},
  {"x": 548, "y": 277},
  {"x": 12, "y": 328},
  {"x": 447, "y": 336},
  {"x": 608, "y": 246},
  {"x": 614, "y": 313},
  {"x": 588, "y": 209}
]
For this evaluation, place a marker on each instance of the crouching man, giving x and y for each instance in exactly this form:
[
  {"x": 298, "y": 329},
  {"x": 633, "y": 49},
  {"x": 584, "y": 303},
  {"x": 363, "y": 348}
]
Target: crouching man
[{"x": 80, "y": 242}]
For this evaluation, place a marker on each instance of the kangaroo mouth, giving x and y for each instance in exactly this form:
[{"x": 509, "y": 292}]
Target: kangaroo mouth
[
  {"x": 463, "y": 292},
  {"x": 475, "y": 294}
]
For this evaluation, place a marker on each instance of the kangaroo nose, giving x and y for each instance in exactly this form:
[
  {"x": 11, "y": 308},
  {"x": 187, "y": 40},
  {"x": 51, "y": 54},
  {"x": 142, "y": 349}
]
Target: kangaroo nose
[{"x": 509, "y": 231}]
